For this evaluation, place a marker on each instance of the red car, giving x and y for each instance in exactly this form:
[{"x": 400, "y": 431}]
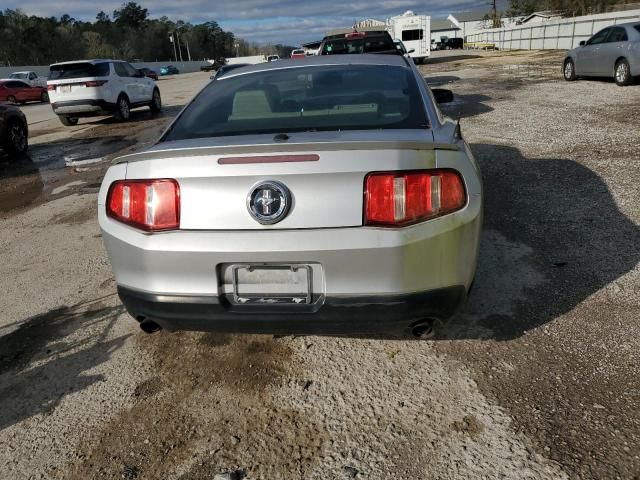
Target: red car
[
  {"x": 17, "y": 91},
  {"x": 149, "y": 73},
  {"x": 298, "y": 53}
]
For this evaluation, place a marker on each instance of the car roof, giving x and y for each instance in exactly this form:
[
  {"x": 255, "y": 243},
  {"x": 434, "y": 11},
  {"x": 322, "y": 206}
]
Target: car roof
[
  {"x": 22, "y": 71},
  {"x": 627, "y": 24},
  {"x": 92, "y": 61},
  {"x": 322, "y": 60},
  {"x": 342, "y": 31}
]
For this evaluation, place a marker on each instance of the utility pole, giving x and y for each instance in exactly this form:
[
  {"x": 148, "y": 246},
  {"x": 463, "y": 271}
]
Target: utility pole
[
  {"x": 175, "y": 53},
  {"x": 495, "y": 21}
]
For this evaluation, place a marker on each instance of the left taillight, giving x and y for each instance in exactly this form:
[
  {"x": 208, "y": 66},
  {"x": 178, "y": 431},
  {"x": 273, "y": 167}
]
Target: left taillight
[
  {"x": 95, "y": 83},
  {"x": 150, "y": 205},
  {"x": 401, "y": 198},
  {"x": 51, "y": 88}
]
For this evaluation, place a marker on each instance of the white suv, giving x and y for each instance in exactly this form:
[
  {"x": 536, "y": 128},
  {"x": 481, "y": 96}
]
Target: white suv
[{"x": 89, "y": 88}]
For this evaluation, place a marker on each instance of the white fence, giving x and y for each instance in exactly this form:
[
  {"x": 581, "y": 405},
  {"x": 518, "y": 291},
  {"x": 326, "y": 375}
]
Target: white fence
[{"x": 564, "y": 33}]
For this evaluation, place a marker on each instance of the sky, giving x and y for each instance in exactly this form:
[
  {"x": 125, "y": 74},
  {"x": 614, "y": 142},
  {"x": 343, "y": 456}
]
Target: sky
[{"x": 263, "y": 21}]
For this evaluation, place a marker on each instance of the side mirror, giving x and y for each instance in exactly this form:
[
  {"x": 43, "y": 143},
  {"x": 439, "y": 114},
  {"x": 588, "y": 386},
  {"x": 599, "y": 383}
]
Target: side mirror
[
  {"x": 582, "y": 43},
  {"x": 442, "y": 95},
  {"x": 411, "y": 51}
]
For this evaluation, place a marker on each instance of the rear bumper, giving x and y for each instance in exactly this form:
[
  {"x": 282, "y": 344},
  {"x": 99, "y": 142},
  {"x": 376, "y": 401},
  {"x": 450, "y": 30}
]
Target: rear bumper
[
  {"x": 335, "y": 315},
  {"x": 83, "y": 108}
]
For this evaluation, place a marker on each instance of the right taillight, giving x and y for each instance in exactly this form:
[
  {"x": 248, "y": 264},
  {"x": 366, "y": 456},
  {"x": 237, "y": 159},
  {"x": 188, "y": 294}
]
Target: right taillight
[
  {"x": 406, "y": 197},
  {"x": 150, "y": 205},
  {"x": 95, "y": 83}
]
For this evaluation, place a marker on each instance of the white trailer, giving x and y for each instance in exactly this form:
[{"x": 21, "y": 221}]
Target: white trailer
[
  {"x": 253, "y": 59},
  {"x": 414, "y": 31}
]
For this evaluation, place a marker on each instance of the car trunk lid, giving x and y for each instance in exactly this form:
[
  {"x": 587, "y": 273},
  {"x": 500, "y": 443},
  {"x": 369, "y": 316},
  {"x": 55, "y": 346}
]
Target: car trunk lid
[{"x": 323, "y": 171}]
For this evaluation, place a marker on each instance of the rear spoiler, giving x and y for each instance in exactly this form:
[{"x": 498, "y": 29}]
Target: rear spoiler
[{"x": 280, "y": 147}]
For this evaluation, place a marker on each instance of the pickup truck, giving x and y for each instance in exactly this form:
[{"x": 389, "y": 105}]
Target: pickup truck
[{"x": 31, "y": 78}]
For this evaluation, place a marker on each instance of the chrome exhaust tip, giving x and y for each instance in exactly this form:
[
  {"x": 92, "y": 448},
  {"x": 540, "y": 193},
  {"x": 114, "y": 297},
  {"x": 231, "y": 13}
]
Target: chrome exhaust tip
[
  {"x": 423, "y": 329},
  {"x": 148, "y": 326}
]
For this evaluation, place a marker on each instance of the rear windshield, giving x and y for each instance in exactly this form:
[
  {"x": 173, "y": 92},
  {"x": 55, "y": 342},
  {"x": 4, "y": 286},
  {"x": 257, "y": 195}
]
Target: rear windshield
[
  {"x": 368, "y": 44},
  {"x": 78, "y": 70},
  {"x": 326, "y": 98}
]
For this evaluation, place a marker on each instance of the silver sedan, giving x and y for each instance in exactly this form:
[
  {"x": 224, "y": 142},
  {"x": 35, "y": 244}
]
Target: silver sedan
[
  {"x": 322, "y": 195},
  {"x": 612, "y": 52}
]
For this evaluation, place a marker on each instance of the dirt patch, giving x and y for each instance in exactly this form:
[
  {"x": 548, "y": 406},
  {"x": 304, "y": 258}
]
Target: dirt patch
[
  {"x": 292, "y": 453},
  {"x": 452, "y": 60},
  {"x": 207, "y": 409},
  {"x": 76, "y": 217},
  {"x": 20, "y": 184},
  {"x": 469, "y": 425},
  {"x": 245, "y": 363}
]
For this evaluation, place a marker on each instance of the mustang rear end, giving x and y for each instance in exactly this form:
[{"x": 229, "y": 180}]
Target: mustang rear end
[{"x": 319, "y": 196}]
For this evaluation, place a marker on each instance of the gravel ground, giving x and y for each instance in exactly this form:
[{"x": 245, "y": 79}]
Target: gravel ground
[{"x": 537, "y": 379}]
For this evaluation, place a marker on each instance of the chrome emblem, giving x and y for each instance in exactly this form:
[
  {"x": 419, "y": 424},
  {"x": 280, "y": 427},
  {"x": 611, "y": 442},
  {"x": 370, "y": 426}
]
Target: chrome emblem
[{"x": 269, "y": 202}]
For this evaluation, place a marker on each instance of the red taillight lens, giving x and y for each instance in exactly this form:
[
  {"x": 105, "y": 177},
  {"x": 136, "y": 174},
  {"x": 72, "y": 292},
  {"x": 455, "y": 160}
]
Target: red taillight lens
[
  {"x": 150, "y": 205},
  {"x": 95, "y": 83},
  {"x": 51, "y": 88},
  {"x": 404, "y": 198}
]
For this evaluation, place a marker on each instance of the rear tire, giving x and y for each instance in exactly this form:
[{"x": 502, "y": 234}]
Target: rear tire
[
  {"x": 622, "y": 73},
  {"x": 44, "y": 98},
  {"x": 68, "y": 121},
  {"x": 12, "y": 99},
  {"x": 569, "y": 70},
  {"x": 17, "y": 141},
  {"x": 156, "y": 102},
  {"x": 123, "y": 112}
]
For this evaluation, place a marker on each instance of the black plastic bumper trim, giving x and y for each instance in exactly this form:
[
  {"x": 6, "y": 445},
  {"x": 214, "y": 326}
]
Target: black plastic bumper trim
[{"x": 344, "y": 314}]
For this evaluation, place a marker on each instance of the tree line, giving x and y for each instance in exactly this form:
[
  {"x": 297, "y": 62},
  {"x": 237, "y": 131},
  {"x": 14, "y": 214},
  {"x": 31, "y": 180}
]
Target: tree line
[{"x": 127, "y": 34}]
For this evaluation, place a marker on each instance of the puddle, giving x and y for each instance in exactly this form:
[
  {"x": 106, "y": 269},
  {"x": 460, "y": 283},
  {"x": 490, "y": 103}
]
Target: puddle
[
  {"x": 64, "y": 188},
  {"x": 45, "y": 172},
  {"x": 72, "y": 162}
]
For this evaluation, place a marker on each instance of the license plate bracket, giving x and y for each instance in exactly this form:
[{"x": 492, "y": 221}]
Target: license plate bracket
[
  {"x": 272, "y": 284},
  {"x": 65, "y": 88}
]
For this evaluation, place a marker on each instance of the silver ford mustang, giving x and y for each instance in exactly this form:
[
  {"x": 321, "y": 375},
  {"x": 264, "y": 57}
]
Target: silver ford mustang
[{"x": 324, "y": 195}]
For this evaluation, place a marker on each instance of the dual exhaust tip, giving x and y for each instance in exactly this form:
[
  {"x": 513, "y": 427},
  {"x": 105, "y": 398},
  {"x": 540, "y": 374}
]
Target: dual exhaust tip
[
  {"x": 148, "y": 326},
  {"x": 422, "y": 329}
]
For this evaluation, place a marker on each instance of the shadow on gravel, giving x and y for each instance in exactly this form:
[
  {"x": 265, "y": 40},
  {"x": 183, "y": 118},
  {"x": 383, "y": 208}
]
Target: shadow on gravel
[
  {"x": 464, "y": 106},
  {"x": 44, "y": 358},
  {"x": 440, "y": 80},
  {"x": 450, "y": 58},
  {"x": 139, "y": 116},
  {"x": 552, "y": 237}
]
